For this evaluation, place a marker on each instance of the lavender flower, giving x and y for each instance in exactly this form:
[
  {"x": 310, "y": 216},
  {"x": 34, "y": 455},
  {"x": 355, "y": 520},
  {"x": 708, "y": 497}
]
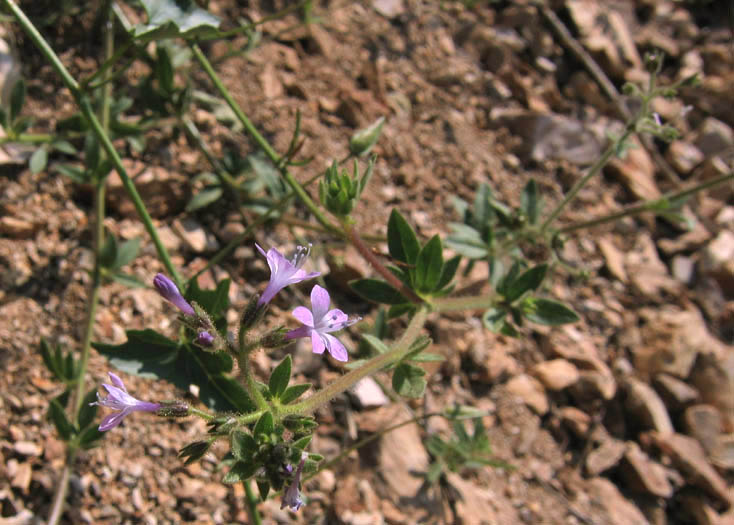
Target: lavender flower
[
  {"x": 292, "y": 496},
  {"x": 118, "y": 399},
  {"x": 169, "y": 291},
  {"x": 205, "y": 339},
  {"x": 319, "y": 321},
  {"x": 284, "y": 272}
]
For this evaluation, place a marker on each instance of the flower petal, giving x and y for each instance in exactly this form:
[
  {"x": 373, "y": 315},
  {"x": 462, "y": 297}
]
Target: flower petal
[
  {"x": 117, "y": 381},
  {"x": 336, "y": 348},
  {"x": 304, "y": 315},
  {"x": 112, "y": 420},
  {"x": 317, "y": 343},
  {"x": 319, "y": 302}
]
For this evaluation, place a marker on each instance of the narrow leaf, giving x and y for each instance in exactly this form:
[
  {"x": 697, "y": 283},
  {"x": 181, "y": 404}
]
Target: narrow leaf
[
  {"x": 294, "y": 392},
  {"x": 528, "y": 281},
  {"x": 429, "y": 265},
  {"x": 408, "y": 381},
  {"x": 38, "y": 160},
  {"x": 87, "y": 412},
  {"x": 401, "y": 239},
  {"x": 280, "y": 378},
  {"x": 264, "y": 425},
  {"x": 377, "y": 291},
  {"x": 548, "y": 312},
  {"x": 61, "y": 422},
  {"x": 17, "y": 99}
]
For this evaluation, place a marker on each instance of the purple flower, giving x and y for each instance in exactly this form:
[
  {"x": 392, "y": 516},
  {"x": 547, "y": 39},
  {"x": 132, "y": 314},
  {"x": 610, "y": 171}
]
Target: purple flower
[
  {"x": 169, "y": 291},
  {"x": 205, "y": 339},
  {"x": 284, "y": 272},
  {"x": 118, "y": 399},
  {"x": 319, "y": 321},
  {"x": 292, "y": 496}
]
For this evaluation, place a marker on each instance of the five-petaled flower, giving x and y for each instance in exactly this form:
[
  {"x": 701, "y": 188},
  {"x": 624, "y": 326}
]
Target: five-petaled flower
[
  {"x": 284, "y": 272},
  {"x": 118, "y": 399},
  {"x": 169, "y": 291},
  {"x": 292, "y": 496},
  {"x": 319, "y": 321}
]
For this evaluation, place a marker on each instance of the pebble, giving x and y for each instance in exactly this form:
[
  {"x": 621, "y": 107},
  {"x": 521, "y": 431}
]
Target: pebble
[
  {"x": 531, "y": 391},
  {"x": 556, "y": 374}
]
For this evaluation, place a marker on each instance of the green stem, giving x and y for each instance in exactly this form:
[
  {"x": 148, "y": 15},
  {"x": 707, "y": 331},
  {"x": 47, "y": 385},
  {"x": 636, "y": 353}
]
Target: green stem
[
  {"x": 333, "y": 389},
  {"x": 85, "y": 105},
  {"x": 263, "y": 143},
  {"x": 251, "y": 503},
  {"x": 453, "y": 304},
  {"x": 200, "y": 413},
  {"x": 594, "y": 170},
  {"x": 386, "y": 274},
  {"x": 28, "y": 138},
  {"x": 57, "y": 507},
  {"x": 243, "y": 359},
  {"x": 647, "y": 205}
]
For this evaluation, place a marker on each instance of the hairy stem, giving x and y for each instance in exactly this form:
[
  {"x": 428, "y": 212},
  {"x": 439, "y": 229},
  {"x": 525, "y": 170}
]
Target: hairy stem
[
  {"x": 251, "y": 504},
  {"x": 453, "y": 304},
  {"x": 333, "y": 389},
  {"x": 647, "y": 205}
]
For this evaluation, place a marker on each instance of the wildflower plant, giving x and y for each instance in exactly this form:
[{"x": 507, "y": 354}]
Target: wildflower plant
[{"x": 266, "y": 424}]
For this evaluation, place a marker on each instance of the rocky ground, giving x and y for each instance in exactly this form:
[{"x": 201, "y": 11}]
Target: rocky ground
[{"x": 626, "y": 417}]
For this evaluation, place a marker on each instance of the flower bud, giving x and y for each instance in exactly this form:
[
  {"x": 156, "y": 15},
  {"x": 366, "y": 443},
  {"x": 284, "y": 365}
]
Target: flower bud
[
  {"x": 362, "y": 142},
  {"x": 173, "y": 409}
]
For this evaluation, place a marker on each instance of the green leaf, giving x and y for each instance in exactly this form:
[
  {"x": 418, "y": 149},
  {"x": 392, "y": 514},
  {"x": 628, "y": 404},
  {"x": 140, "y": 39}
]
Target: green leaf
[
  {"x": 50, "y": 360},
  {"x": 87, "y": 412},
  {"x": 509, "y": 278},
  {"x": 408, "y": 381},
  {"x": 204, "y": 198},
  {"x": 427, "y": 357},
  {"x": 152, "y": 355},
  {"x": 108, "y": 253},
  {"x": 64, "y": 146},
  {"x": 363, "y": 140},
  {"x": 429, "y": 265},
  {"x": 467, "y": 241},
  {"x": 194, "y": 451},
  {"x": 375, "y": 343},
  {"x": 164, "y": 69},
  {"x": 302, "y": 443},
  {"x": 174, "y": 18},
  {"x": 401, "y": 239},
  {"x": 61, "y": 422},
  {"x": 377, "y": 291},
  {"x": 528, "y": 281},
  {"x": 280, "y": 377},
  {"x": 90, "y": 437},
  {"x": 264, "y": 425},
  {"x": 17, "y": 99},
  {"x": 547, "y": 312},
  {"x": 3, "y": 118},
  {"x": 38, "y": 160},
  {"x": 215, "y": 302},
  {"x": 243, "y": 445},
  {"x": 448, "y": 271},
  {"x": 494, "y": 319},
  {"x": 126, "y": 253},
  {"x": 294, "y": 392},
  {"x": 264, "y": 488},
  {"x": 74, "y": 173},
  {"x": 530, "y": 201},
  {"x": 240, "y": 471}
]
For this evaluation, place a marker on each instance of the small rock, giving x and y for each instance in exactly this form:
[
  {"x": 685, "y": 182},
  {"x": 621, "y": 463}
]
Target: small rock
[
  {"x": 718, "y": 261},
  {"x": 725, "y": 217},
  {"x": 389, "y": 8},
  {"x": 27, "y": 448},
  {"x": 401, "y": 454},
  {"x": 272, "y": 87},
  {"x": 593, "y": 384},
  {"x": 643, "y": 474},
  {"x": 21, "y": 476},
  {"x": 636, "y": 171},
  {"x": 16, "y": 228},
  {"x": 713, "y": 376},
  {"x": 576, "y": 420},
  {"x": 683, "y": 269},
  {"x": 550, "y": 136},
  {"x": 688, "y": 456},
  {"x": 556, "y": 374},
  {"x": 703, "y": 422},
  {"x": 723, "y": 453},
  {"x": 675, "y": 393},
  {"x": 531, "y": 391},
  {"x": 194, "y": 236},
  {"x": 368, "y": 394},
  {"x": 614, "y": 258},
  {"x": 618, "y": 509},
  {"x": 646, "y": 405},
  {"x": 475, "y": 504},
  {"x": 605, "y": 456},
  {"x": 683, "y": 156},
  {"x": 713, "y": 137}
]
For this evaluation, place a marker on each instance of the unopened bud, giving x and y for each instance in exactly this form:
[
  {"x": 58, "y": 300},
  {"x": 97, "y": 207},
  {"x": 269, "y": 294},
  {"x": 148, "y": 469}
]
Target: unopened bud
[
  {"x": 252, "y": 314},
  {"x": 362, "y": 142},
  {"x": 274, "y": 339}
]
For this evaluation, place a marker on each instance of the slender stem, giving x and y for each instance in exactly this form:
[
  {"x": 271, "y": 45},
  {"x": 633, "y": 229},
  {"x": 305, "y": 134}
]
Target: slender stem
[
  {"x": 386, "y": 274},
  {"x": 594, "y": 170},
  {"x": 57, "y": 507},
  {"x": 243, "y": 359},
  {"x": 452, "y": 304},
  {"x": 200, "y": 413},
  {"x": 85, "y": 106},
  {"x": 262, "y": 142},
  {"x": 330, "y": 391},
  {"x": 251, "y": 504},
  {"x": 647, "y": 205}
]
